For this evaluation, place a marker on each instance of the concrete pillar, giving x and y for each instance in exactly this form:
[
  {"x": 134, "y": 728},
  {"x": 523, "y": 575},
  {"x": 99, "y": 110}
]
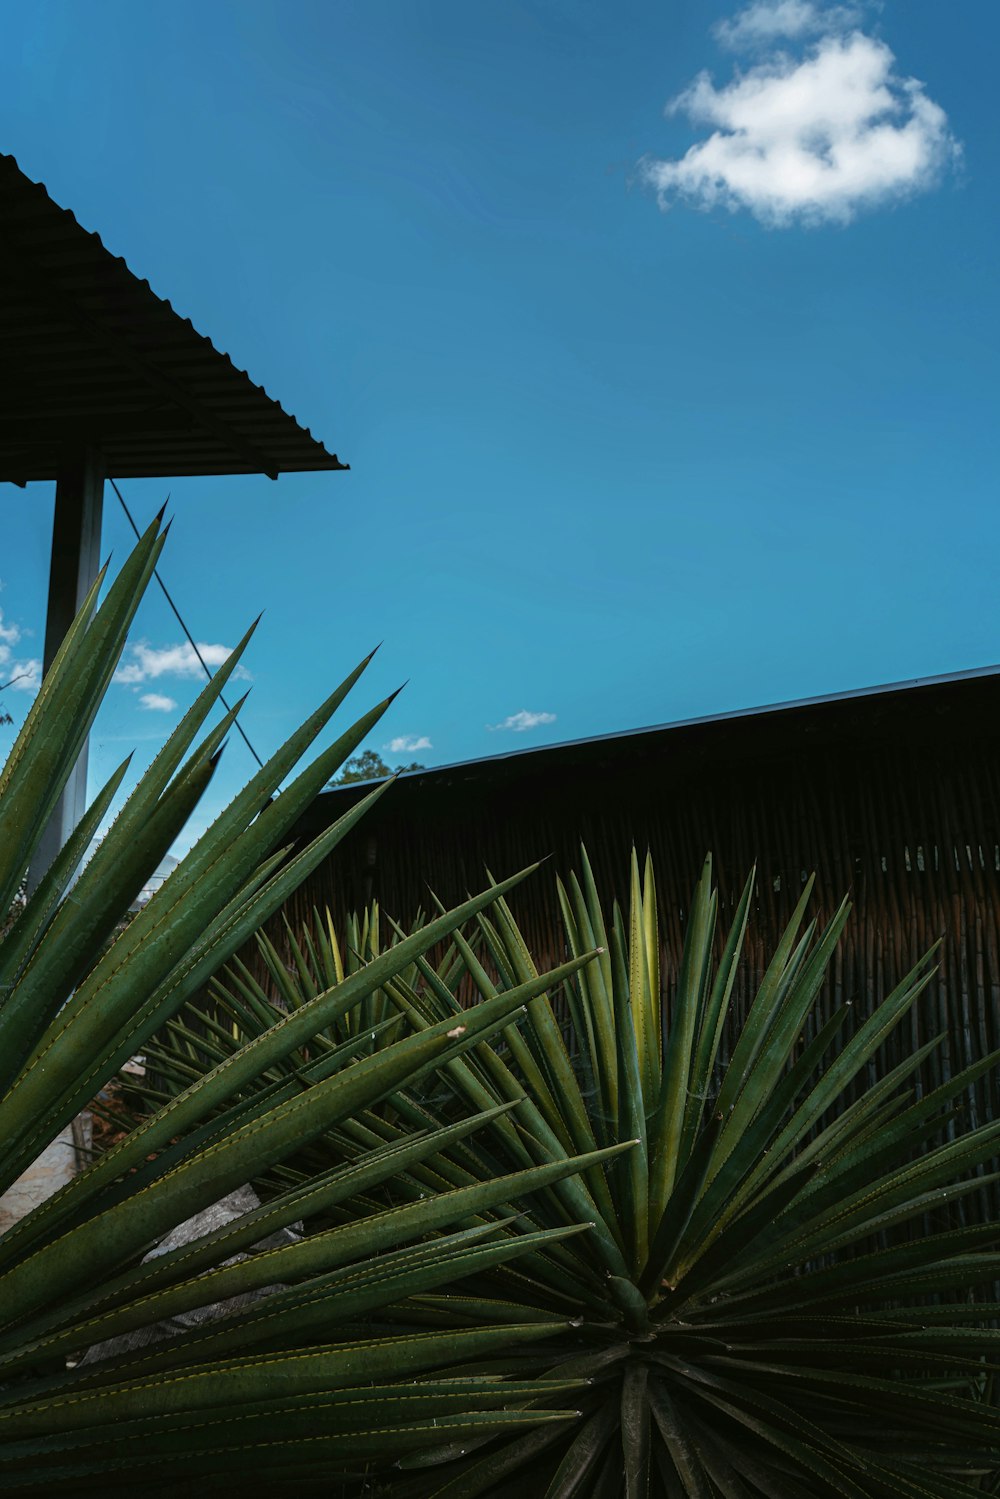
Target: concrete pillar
[{"x": 76, "y": 561}]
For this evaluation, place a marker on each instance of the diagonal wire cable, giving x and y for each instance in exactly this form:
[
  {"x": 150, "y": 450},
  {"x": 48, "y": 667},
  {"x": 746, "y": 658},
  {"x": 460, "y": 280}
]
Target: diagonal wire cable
[{"x": 191, "y": 640}]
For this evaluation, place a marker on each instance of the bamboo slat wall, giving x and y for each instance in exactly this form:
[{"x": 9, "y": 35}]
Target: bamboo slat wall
[{"x": 893, "y": 798}]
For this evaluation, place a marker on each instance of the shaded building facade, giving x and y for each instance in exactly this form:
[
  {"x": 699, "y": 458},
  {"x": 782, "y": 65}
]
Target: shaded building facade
[{"x": 891, "y": 796}]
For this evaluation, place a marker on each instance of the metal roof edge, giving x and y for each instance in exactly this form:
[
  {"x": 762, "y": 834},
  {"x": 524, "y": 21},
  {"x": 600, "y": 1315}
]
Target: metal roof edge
[
  {"x": 10, "y": 162},
  {"x": 852, "y": 695}
]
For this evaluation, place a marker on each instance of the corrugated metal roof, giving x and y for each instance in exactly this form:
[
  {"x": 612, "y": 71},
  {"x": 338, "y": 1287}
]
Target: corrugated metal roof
[
  {"x": 945, "y": 688},
  {"x": 89, "y": 353}
]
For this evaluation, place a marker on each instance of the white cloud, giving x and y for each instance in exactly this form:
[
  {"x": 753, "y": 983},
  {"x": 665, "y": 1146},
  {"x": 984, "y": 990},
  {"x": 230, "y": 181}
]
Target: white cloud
[
  {"x": 523, "y": 720},
  {"x": 156, "y": 702},
  {"x": 809, "y": 139},
  {"x": 405, "y": 744},
  {"x": 18, "y": 674},
  {"x": 766, "y": 20},
  {"x": 148, "y": 663}
]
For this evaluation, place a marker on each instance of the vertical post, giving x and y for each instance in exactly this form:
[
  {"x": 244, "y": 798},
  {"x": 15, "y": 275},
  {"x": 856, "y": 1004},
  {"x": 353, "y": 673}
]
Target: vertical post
[
  {"x": 76, "y": 552},
  {"x": 371, "y": 865}
]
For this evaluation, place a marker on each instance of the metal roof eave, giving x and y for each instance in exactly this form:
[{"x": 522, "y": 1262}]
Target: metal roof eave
[
  {"x": 89, "y": 353},
  {"x": 538, "y": 752}
]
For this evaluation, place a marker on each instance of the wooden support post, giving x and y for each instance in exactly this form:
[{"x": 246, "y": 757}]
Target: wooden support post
[{"x": 76, "y": 561}]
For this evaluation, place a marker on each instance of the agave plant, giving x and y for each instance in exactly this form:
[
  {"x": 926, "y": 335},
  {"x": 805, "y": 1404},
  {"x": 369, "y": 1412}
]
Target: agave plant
[
  {"x": 290, "y": 1389},
  {"x": 248, "y": 998},
  {"x": 773, "y": 1300}
]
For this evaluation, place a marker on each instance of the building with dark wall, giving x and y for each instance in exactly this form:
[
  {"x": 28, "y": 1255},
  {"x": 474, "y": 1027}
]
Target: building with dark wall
[{"x": 890, "y": 795}]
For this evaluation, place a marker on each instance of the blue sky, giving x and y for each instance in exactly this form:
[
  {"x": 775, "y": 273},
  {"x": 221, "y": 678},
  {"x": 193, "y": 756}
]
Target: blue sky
[{"x": 649, "y": 414}]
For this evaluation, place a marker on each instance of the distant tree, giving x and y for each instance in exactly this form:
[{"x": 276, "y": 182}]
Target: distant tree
[{"x": 369, "y": 766}]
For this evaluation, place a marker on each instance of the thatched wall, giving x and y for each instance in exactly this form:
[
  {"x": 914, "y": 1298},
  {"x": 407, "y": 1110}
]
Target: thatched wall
[{"x": 893, "y": 797}]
